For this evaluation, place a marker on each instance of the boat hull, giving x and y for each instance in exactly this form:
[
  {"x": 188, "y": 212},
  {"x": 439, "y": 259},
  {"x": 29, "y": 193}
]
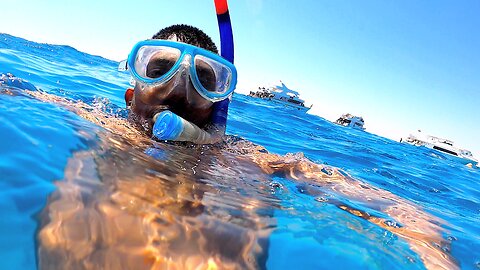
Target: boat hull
[
  {"x": 290, "y": 105},
  {"x": 459, "y": 159}
]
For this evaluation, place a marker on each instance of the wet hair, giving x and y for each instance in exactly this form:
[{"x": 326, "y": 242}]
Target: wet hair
[{"x": 187, "y": 34}]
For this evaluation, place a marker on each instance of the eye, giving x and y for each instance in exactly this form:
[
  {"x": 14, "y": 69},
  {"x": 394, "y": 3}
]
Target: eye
[
  {"x": 160, "y": 61},
  {"x": 206, "y": 75},
  {"x": 158, "y": 67}
]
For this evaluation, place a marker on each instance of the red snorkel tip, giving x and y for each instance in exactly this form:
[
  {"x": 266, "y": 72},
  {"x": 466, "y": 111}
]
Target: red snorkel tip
[{"x": 221, "y": 6}]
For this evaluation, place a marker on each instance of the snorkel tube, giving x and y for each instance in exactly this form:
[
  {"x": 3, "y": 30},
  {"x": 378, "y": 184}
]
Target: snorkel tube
[
  {"x": 220, "y": 109},
  {"x": 169, "y": 126}
]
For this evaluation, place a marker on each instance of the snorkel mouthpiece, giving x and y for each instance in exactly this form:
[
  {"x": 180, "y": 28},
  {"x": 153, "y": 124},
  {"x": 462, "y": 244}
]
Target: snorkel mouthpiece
[
  {"x": 168, "y": 126},
  {"x": 171, "y": 127}
]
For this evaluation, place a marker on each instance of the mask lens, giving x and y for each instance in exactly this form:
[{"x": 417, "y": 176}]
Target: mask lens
[
  {"x": 214, "y": 76},
  {"x": 153, "y": 62}
]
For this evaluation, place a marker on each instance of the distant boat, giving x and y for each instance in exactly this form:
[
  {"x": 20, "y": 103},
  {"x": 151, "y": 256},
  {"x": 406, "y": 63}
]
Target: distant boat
[
  {"x": 281, "y": 94},
  {"x": 348, "y": 120},
  {"x": 442, "y": 145}
]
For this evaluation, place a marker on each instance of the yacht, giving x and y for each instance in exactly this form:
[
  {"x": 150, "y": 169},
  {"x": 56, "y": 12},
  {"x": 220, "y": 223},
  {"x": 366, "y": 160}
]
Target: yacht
[
  {"x": 442, "y": 145},
  {"x": 348, "y": 120},
  {"x": 281, "y": 94}
]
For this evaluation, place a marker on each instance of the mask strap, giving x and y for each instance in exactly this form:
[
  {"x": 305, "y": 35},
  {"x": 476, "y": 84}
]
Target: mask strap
[{"x": 220, "y": 109}]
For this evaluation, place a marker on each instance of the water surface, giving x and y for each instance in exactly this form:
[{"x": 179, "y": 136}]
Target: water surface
[{"x": 82, "y": 188}]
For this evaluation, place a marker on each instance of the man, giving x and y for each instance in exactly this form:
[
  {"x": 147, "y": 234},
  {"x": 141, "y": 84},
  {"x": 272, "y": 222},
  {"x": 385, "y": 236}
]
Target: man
[{"x": 179, "y": 70}]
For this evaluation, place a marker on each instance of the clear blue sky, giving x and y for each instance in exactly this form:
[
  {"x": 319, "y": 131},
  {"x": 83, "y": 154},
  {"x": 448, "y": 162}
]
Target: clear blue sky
[{"x": 402, "y": 65}]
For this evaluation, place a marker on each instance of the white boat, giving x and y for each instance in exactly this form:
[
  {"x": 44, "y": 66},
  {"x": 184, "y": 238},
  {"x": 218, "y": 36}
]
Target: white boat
[
  {"x": 442, "y": 145},
  {"x": 281, "y": 94},
  {"x": 348, "y": 120}
]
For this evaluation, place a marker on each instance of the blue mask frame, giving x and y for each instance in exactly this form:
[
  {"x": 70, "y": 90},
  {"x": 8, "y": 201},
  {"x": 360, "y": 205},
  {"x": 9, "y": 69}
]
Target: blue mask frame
[{"x": 185, "y": 49}]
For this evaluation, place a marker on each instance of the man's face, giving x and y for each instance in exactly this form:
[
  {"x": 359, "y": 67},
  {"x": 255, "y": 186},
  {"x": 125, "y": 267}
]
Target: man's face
[{"x": 177, "y": 95}]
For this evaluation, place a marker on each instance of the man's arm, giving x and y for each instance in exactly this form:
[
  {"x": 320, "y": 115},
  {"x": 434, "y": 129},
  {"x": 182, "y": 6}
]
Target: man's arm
[{"x": 420, "y": 229}]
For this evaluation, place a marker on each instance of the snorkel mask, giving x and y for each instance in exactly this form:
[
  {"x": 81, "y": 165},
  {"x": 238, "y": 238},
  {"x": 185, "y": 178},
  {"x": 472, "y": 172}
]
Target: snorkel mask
[{"x": 155, "y": 63}]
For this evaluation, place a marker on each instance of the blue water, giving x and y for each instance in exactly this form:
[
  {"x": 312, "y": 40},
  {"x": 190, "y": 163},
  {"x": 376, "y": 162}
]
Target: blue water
[{"x": 39, "y": 138}]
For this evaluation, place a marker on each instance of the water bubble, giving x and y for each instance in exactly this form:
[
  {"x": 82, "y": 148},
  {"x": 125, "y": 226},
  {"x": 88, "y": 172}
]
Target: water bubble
[
  {"x": 321, "y": 199},
  {"x": 477, "y": 264},
  {"x": 410, "y": 259},
  {"x": 276, "y": 185},
  {"x": 327, "y": 171},
  {"x": 451, "y": 238},
  {"x": 389, "y": 237},
  {"x": 392, "y": 223}
]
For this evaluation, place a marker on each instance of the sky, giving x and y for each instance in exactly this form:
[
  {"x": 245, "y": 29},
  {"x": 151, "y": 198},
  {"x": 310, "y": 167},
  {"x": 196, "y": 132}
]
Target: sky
[{"x": 401, "y": 65}]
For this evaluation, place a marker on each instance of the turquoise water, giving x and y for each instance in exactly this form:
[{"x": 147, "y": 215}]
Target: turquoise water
[{"x": 307, "y": 232}]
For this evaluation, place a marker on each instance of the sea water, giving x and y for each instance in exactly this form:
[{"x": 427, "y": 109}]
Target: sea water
[{"x": 49, "y": 153}]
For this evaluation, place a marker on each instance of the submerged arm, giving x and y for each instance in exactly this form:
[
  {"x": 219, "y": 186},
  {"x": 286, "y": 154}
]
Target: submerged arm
[{"x": 419, "y": 228}]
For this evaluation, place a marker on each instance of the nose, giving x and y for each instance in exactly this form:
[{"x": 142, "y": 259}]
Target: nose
[
  {"x": 181, "y": 77},
  {"x": 178, "y": 91},
  {"x": 181, "y": 86}
]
